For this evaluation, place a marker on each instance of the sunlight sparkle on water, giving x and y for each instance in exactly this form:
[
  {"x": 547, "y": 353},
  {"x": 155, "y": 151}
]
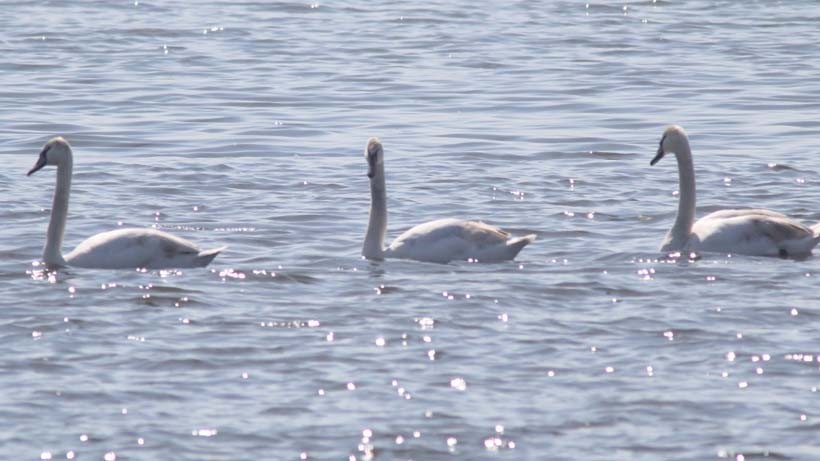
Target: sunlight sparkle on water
[
  {"x": 451, "y": 442},
  {"x": 426, "y": 323}
]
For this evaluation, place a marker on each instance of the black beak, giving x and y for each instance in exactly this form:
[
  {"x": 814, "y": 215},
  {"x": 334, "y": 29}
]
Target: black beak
[
  {"x": 41, "y": 162},
  {"x": 658, "y": 156},
  {"x": 371, "y": 166}
]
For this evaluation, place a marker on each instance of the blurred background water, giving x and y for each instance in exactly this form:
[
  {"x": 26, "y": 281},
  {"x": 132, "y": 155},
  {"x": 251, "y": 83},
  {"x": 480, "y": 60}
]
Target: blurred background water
[{"x": 243, "y": 123}]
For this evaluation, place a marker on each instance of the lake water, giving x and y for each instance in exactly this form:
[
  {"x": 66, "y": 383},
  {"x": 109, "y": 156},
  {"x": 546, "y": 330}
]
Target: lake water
[{"x": 243, "y": 124}]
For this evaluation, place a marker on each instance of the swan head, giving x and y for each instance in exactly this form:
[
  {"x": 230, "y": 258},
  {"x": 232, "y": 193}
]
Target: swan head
[
  {"x": 374, "y": 153},
  {"x": 55, "y": 152},
  {"x": 674, "y": 140}
]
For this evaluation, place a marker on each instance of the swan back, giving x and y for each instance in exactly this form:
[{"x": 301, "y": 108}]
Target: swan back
[
  {"x": 446, "y": 240},
  {"x": 139, "y": 248},
  {"x": 753, "y": 232}
]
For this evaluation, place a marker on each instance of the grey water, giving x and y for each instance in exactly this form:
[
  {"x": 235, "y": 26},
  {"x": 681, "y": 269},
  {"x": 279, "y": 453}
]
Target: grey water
[{"x": 243, "y": 123}]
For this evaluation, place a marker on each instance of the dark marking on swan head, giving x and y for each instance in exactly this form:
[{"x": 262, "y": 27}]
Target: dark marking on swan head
[
  {"x": 54, "y": 152},
  {"x": 659, "y": 155},
  {"x": 374, "y": 153},
  {"x": 42, "y": 161},
  {"x": 673, "y": 140}
]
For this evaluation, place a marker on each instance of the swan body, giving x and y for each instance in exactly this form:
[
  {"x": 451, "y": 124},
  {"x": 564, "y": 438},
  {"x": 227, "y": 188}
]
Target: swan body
[
  {"x": 754, "y": 232},
  {"x": 129, "y": 248},
  {"x": 117, "y": 249},
  {"x": 439, "y": 241},
  {"x": 444, "y": 240}
]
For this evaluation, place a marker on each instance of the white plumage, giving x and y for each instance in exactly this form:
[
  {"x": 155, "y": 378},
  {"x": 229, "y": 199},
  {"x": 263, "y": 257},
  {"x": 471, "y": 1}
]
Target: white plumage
[
  {"x": 439, "y": 241},
  {"x": 117, "y": 249},
  {"x": 129, "y": 248},
  {"x": 753, "y": 232}
]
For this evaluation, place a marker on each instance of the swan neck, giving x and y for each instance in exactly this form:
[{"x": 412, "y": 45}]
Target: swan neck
[
  {"x": 53, "y": 250},
  {"x": 686, "y": 200},
  {"x": 373, "y": 247}
]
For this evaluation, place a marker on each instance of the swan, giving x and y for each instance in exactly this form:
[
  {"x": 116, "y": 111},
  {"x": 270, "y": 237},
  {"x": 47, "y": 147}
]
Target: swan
[
  {"x": 117, "y": 249},
  {"x": 438, "y": 241},
  {"x": 753, "y": 232}
]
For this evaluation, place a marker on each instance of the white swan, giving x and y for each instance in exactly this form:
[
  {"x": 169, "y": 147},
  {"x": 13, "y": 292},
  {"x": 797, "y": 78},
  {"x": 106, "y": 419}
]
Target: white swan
[
  {"x": 117, "y": 249},
  {"x": 750, "y": 232},
  {"x": 439, "y": 241}
]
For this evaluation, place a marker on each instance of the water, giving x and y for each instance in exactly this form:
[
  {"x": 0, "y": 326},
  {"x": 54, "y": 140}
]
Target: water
[{"x": 243, "y": 124}]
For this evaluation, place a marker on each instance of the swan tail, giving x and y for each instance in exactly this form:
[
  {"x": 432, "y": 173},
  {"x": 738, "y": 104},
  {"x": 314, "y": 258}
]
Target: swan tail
[
  {"x": 204, "y": 257},
  {"x": 515, "y": 245}
]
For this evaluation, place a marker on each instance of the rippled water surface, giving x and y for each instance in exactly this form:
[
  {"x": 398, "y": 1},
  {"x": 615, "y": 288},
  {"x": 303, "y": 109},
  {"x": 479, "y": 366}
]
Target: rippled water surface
[{"x": 243, "y": 124}]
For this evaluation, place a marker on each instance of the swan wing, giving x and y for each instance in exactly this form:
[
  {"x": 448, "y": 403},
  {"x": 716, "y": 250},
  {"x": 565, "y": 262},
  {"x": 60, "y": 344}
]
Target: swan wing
[
  {"x": 446, "y": 240},
  {"x": 133, "y": 248},
  {"x": 754, "y": 232}
]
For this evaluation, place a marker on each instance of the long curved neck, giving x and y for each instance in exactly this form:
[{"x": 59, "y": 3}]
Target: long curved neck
[
  {"x": 686, "y": 202},
  {"x": 53, "y": 251},
  {"x": 373, "y": 247}
]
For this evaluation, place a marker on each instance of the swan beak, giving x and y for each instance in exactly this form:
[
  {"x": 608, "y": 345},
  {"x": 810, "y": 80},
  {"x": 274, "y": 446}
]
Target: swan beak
[
  {"x": 657, "y": 157},
  {"x": 371, "y": 168},
  {"x": 41, "y": 162}
]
